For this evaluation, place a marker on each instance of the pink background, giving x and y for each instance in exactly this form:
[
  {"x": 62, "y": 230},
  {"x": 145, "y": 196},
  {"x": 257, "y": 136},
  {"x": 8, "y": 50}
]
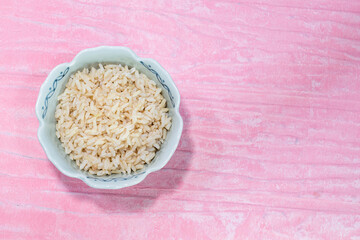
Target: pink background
[{"x": 271, "y": 106}]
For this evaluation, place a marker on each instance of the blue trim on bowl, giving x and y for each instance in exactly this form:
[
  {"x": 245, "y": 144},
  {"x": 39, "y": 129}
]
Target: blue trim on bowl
[
  {"x": 162, "y": 82},
  {"x": 114, "y": 179},
  {"x": 52, "y": 91}
]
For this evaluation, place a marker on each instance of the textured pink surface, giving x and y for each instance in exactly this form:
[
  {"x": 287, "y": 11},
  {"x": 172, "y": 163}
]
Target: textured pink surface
[{"x": 271, "y": 105}]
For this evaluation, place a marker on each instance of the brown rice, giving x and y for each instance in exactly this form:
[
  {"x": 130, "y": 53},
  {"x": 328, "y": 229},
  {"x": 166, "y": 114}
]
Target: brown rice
[{"x": 111, "y": 120}]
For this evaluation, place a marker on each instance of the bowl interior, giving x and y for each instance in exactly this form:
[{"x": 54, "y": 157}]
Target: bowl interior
[{"x": 55, "y": 85}]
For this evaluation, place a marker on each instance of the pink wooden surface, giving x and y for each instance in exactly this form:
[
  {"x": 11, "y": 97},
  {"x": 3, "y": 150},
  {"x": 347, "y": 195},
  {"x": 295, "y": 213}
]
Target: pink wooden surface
[{"x": 271, "y": 106}]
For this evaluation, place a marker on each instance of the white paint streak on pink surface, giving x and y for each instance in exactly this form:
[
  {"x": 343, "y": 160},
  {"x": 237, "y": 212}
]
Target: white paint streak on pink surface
[{"x": 270, "y": 99}]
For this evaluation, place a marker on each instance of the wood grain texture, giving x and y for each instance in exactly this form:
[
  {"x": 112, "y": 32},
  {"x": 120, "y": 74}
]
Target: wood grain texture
[{"x": 271, "y": 106}]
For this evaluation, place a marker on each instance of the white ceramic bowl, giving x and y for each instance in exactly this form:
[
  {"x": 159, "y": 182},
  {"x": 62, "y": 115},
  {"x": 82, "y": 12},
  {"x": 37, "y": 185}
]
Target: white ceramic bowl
[{"x": 55, "y": 84}]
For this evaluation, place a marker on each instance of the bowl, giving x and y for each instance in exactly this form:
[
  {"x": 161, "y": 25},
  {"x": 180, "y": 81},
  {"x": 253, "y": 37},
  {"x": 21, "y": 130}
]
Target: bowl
[{"x": 55, "y": 85}]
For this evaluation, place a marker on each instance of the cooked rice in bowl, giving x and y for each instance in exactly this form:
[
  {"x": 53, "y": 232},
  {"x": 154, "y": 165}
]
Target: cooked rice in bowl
[{"x": 111, "y": 120}]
